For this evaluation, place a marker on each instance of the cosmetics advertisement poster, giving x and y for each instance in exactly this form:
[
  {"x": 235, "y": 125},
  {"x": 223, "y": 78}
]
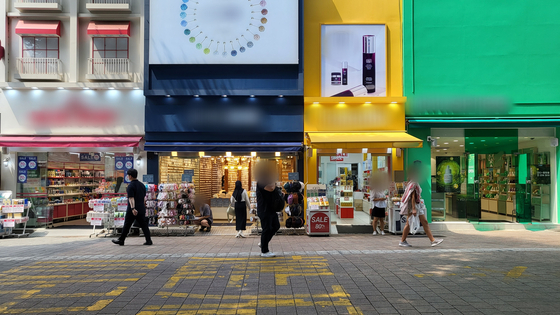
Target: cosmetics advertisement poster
[
  {"x": 354, "y": 60},
  {"x": 224, "y": 32},
  {"x": 448, "y": 174}
]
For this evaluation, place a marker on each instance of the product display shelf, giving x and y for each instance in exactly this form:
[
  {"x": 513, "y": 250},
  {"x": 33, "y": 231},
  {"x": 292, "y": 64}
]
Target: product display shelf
[
  {"x": 13, "y": 211},
  {"x": 540, "y": 202},
  {"x": 69, "y": 187},
  {"x": 489, "y": 190},
  {"x": 345, "y": 202},
  {"x": 205, "y": 179}
]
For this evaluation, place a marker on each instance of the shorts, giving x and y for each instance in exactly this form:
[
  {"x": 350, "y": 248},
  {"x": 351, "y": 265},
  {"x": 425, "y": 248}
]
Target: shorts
[{"x": 377, "y": 212}]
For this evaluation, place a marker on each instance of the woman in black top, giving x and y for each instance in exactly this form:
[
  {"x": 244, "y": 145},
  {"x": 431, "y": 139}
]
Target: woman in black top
[{"x": 240, "y": 201}]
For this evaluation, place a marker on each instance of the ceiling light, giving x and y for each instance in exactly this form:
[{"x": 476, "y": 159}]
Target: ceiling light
[
  {"x": 446, "y": 143},
  {"x": 252, "y": 95},
  {"x": 444, "y": 149},
  {"x": 437, "y": 138},
  {"x": 9, "y": 88},
  {"x": 471, "y": 142},
  {"x": 168, "y": 95},
  {"x": 224, "y": 96},
  {"x": 253, "y": 154},
  {"x": 280, "y": 96},
  {"x": 364, "y": 150},
  {"x": 455, "y": 140},
  {"x": 315, "y": 103},
  {"x": 338, "y": 151},
  {"x": 228, "y": 154},
  {"x": 34, "y": 88},
  {"x": 174, "y": 153},
  {"x": 340, "y": 102},
  {"x": 86, "y": 88},
  {"x": 437, "y": 150},
  {"x": 111, "y": 88},
  {"x": 277, "y": 154},
  {"x": 462, "y": 145},
  {"x": 438, "y": 145},
  {"x": 196, "y": 95},
  {"x": 136, "y": 88},
  {"x": 482, "y": 140},
  {"x": 201, "y": 154},
  {"x": 60, "y": 88},
  {"x": 393, "y": 102},
  {"x": 368, "y": 102}
]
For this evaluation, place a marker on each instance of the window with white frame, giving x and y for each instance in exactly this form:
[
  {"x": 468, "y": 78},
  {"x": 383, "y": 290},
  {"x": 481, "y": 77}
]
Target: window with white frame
[
  {"x": 40, "y": 47},
  {"x": 110, "y": 47}
]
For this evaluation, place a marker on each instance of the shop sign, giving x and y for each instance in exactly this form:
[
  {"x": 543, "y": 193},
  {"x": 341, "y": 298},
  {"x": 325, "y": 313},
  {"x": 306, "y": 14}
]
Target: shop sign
[
  {"x": 319, "y": 223},
  {"x": 90, "y": 157},
  {"x": 22, "y": 176},
  {"x": 149, "y": 178},
  {"x": 339, "y": 157},
  {"x": 293, "y": 176}
]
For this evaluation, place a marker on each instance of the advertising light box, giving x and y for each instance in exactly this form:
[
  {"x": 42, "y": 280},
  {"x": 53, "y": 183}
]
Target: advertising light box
[{"x": 224, "y": 31}]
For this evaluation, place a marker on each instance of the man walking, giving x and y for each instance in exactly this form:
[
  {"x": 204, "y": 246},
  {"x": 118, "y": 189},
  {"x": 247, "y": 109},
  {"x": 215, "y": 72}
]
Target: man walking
[
  {"x": 265, "y": 207},
  {"x": 136, "y": 210}
]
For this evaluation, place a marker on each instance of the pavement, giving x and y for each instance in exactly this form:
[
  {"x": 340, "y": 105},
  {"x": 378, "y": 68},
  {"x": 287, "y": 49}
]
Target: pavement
[{"x": 471, "y": 272}]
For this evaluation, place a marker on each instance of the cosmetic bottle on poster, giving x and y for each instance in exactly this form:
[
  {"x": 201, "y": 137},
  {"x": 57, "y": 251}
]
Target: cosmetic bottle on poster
[
  {"x": 369, "y": 62},
  {"x": 345, "y": 73},
  {"x": 359, "y": 90}
]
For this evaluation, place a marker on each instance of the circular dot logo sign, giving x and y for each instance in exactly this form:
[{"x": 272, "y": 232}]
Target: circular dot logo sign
[
  {"x": 32, "y": 164},
  {"x": 22, "y": 164},
  {"x": 128, "y": 165},
  {"x": 22, "y": 178},
  {"x": 223, "y": 28},
  {"x": 119, "y": 165}
]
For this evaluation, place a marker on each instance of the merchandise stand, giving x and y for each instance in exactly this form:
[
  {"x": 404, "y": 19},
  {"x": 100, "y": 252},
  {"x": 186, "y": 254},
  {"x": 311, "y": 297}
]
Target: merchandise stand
[
  {"x": 318, "y": 210},
  {"x": 11, "y": 208},
  {"x": 108, "y": 213}
]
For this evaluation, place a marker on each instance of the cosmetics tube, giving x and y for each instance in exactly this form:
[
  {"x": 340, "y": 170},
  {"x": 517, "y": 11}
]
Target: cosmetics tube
[
  {"x": 345, "y": 73},
  {"x": 359, "y": 90},
  {"x": 369, "y": 62}
]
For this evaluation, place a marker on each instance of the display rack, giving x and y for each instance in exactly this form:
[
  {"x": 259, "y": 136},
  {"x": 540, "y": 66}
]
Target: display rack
[
  {"x": 345, "y": 202},
  {"x": 13, "y": 212}
]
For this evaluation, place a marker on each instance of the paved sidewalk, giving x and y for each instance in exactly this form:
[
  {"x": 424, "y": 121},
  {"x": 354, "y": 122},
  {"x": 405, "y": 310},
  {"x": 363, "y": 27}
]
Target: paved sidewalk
[{"x": 498, "y": 272}]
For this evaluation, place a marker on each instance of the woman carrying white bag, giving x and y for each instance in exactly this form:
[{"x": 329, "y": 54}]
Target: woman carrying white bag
[{"x": 413, "y": 207}]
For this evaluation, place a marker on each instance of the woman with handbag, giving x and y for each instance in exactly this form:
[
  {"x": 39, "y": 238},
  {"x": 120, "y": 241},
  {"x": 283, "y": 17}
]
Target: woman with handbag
[
  {"x": 413, "y": 205},
  {"x": 240, "y": 201}
]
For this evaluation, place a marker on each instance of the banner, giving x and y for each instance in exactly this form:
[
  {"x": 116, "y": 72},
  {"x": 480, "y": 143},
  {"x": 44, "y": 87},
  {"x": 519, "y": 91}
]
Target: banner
[
  {"x": 22, "y": 176},
  {"x": 448, "y": 174}
]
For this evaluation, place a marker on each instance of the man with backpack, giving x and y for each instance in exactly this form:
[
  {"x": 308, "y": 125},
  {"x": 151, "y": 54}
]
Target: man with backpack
[{"x": 268, "y": 204}]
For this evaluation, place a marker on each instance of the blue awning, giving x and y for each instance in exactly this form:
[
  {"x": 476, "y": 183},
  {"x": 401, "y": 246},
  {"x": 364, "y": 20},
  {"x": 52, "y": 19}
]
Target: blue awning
[{"x": 223, "y": 146}]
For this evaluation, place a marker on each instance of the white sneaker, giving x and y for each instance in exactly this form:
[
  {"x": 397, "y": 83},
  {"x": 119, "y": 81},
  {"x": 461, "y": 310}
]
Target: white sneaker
[
  {"x": 374, "y": 232},
  {"x": 382, "y": 232},
  {"x": 268, "y": 255},
  {"x": 404, "y": 244},
  {"x": 436, "y": 242}
]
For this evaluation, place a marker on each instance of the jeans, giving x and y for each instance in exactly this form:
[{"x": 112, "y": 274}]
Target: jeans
[
  {"x": 270, "y": 225},
  {"x": 140, "y": 220}
]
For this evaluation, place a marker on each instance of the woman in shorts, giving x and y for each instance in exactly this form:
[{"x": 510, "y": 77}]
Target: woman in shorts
[{"x": 378, "y": 199}]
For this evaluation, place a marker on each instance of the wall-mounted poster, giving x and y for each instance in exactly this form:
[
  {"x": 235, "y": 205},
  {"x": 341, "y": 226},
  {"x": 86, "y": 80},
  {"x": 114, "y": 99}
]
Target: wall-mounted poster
[
  {"x": 448, "y": 174},
  {"x": 224, "y": 31},
  {"x": 354, "y": 60}
]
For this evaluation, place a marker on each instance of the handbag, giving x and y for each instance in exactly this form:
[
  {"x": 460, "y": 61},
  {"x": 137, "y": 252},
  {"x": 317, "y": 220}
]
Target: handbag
[{"x": 230, "y": 211}]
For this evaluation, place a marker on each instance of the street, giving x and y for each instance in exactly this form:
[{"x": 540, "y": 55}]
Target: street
[{"x": 471, "y": 272}]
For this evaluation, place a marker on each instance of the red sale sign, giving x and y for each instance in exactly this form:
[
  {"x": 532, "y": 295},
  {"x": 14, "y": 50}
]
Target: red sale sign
[{"x": 319, "y": 223}]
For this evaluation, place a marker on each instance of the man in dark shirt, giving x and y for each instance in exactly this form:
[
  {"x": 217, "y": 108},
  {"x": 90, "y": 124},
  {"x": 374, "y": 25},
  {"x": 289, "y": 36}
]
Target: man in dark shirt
[
  {"x": 265, "y": 208},
  {"x": 136, "y": 210}
]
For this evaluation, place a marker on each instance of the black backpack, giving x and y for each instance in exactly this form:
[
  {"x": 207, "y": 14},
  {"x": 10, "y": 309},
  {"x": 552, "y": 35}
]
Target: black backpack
[{"x": 278, "y": 203}]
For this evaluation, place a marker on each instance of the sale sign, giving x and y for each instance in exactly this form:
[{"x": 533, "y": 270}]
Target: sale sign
[
  {"x": 119, "y": 222},
  {"x": 9, "y": 223},
  {"x": 22, "y": 176},
  {"x": 122, "y": 207},
  {"x": 96, "y": 221},
  {"x": 319, "y": 223},
  {"x": 32, "y": 162}
]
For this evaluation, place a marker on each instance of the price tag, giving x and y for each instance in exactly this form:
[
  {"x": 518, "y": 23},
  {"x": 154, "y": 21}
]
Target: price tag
[
  {"x": 119, "y": 222},
  {"x": 98, "y": 207},
  {"x": 9, "y": 223},
  {"x": 96, "y": 221},
  {"x": 18, "y": 208},
  {"x": 122, "y": 207}
]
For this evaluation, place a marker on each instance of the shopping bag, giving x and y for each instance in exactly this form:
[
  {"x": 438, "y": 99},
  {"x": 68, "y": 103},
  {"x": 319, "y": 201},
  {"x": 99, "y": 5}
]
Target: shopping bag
[
  {"x": 230, "y": 212},
  {"x": 414, "y": 223}
]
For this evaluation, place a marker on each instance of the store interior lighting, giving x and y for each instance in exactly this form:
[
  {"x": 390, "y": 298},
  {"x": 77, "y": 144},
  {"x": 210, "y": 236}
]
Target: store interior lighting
[
  {"x": 364, "y": 150},
  {"x": 228, "y": 154},
  {"x": 201, "y": 154},
  {"x": 174, "y": 153},
  {"x": 253, "y": 154},
  {"x": 277, "y": 154}
]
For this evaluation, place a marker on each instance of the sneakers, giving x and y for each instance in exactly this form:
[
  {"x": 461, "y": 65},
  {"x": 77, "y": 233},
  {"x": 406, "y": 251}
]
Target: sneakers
[
  {"x": 436, "y": 242},
  {"x": 268, "y": 255},
  {"x": 382, "y": 232},
  {"x": 405, "y": 244},
  {"x": 374, "y": 232}
]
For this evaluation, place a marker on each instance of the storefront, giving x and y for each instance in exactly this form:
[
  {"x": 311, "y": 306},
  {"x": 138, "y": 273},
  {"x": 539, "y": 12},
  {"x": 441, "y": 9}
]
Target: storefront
[
  {"x": 62, "y": 148},
  {"x": 354, "y": 120},
  {"x": 490, "y": 174}
]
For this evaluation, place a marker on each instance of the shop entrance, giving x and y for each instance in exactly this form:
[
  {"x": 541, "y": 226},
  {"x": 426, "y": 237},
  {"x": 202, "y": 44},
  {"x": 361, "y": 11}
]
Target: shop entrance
[{"x": 491, "y": 175}]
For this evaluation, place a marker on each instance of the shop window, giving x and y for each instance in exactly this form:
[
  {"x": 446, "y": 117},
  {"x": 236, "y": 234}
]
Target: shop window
[
  {"x": 40, "y": 47},
  {"x": 110, "y": 47}
]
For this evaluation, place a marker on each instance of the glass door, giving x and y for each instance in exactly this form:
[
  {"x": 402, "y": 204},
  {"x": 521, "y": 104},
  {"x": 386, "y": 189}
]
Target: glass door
[
  {"x": 523, "y": 207},
  {"x": 472, "y": 200}
]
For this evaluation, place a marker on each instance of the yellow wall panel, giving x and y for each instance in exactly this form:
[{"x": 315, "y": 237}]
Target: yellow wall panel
[{"x": 318, "y": 12}]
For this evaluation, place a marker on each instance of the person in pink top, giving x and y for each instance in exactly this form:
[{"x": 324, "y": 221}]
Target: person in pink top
[{"x": 411, "y": 198}]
